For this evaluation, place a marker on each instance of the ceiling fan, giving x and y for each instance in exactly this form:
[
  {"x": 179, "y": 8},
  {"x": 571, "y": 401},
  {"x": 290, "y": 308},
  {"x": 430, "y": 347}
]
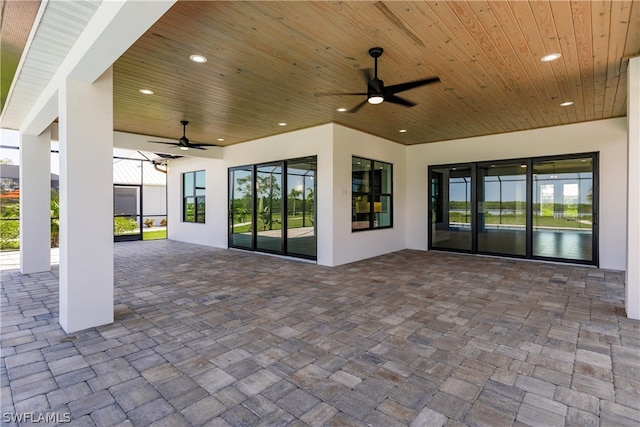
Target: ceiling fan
[
  {"x": 376, "y": 91},
  {"x": 183, "y": 142}
]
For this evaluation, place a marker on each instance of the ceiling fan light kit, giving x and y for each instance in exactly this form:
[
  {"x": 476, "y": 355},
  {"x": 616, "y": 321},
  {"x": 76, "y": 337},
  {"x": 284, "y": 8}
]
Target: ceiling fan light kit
[
  {"x": 377, "y": 93},
  {"x": 183, "y": 143}
]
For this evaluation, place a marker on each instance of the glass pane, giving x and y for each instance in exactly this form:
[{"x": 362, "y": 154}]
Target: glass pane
[
  {"x": 451, "y": 208},
  {"x": 200, "y": 209},
  {"x": 190, "y": 209},
  {"x": 188, "y": 184},
  {"x": 382, "y": 178},
  {"x": 301, "y": 231},
  {"x": 126, "y": 211},
  {"x": 502, "y": 209},
  {"x": 269, "y": 212},
  {"x": 360, "y": 175},
  {"x": 240, "y": 207},
  {"x": 154, "y": 203},
  {"x": 360, "y": 212},
  {"x": 382, "y": 211},
  {"x": 200, "y": 179},
  {"x": 563, "y": 209}
]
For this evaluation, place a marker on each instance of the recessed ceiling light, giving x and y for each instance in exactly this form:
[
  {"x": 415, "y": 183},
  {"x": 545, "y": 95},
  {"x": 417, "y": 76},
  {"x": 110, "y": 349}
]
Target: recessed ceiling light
[
  {"x": 146, "y": 91},
  {"x": 566, "y": 104},
  {"x": 282, "y": 124},
  {"x": 198, "y": 58},
  {"x": 220, "y": 139},
  {"x": 341, "y": 109},
  {"x": 402, "y": 131},
  {"x": 550, "y": 57}
]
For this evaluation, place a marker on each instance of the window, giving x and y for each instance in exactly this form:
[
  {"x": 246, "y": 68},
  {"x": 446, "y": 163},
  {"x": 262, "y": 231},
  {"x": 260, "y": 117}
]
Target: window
[
  {"x": 541, "y": 208},
  {"x": 372, "y": 194},
  {"x": 193, "y": 193},
  {"x": 272, "y": 207}
]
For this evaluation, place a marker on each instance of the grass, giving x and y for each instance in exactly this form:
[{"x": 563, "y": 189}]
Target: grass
[{"x": 154, "y": 234}]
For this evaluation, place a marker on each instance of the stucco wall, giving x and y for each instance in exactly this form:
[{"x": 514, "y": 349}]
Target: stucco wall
[{"x": 334, "y": 145}]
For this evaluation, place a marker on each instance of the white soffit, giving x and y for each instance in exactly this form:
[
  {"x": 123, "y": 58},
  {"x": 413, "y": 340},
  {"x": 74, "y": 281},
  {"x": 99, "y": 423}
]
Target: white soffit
[{"x": 60, "y": 25}]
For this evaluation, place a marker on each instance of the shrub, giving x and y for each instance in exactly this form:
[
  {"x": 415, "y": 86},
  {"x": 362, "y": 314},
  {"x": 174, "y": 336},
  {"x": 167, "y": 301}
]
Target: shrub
[
  {"x": 149, "y": 222},
  {"x": 124, "y": 225},
  {"x": 163, "y": 222},
  {"x": 9, "y": 234}
]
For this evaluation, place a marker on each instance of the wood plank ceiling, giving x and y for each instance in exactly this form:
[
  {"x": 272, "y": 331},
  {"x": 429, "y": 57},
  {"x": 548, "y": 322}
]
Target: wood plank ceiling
[{"x": 266, "y": 60}]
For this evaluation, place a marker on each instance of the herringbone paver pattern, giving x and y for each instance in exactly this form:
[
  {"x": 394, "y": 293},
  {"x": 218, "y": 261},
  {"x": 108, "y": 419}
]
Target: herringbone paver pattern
[{"x": 212, "y": 337}]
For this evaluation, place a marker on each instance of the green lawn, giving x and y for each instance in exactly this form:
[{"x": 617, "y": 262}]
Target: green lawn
[
  {"x": 151, "y": 234},
  {"x": 513, "y": 219}
]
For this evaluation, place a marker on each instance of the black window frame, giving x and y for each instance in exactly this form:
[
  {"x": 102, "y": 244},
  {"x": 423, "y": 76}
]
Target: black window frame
[
  {"x": 191, "y": 194},
  {"x": 529, "y": 162},
  {"x": 374, "y": 194}
]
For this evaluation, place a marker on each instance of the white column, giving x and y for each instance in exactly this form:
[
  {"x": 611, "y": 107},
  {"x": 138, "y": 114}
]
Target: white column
[
  {"x": 35, "y": 209},
  {"x": 86, "y": 203},
  {"x": 632, "y": 294}
]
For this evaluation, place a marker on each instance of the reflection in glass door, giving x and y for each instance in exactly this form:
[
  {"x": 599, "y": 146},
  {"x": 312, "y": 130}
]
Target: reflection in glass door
[
  {"x": 272, "y": 207},
  {"x": 127, "y": 219},
  {"x": 502, "y": 208},
  {"x": 563, "y": 216},
  {"x": 241, "y": 207},
  {"x": 451, "y": 208},
  {"x": 301, "y": 220},
  {"x": 540, "y": 208},
  {"x": 269, "y": 207}
]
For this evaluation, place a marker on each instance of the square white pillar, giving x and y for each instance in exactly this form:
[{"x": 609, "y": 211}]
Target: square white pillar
[
  {"x": 86, "y": 203},
  {"x": 632, "y": 283},
  {"x": 35, "y": 203}
]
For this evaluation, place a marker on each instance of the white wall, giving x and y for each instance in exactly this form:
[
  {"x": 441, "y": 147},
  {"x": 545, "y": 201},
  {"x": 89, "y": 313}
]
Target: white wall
[
  {"x": 334, "y": 145},
  {"x": 608, "y": 137},
  {"x": 632, "y": 291},
  {"x": 214, "y": 231},
  {"x": 350, "y": 246}
]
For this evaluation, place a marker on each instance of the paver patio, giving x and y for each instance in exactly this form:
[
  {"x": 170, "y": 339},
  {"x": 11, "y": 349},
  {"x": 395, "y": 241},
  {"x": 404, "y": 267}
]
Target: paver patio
[{"x": 215, "y": 337}]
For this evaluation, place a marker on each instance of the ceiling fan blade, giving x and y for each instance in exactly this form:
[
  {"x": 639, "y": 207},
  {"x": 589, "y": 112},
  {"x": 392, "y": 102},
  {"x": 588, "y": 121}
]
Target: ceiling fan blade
[
  {"x": 339, "y": 93},
  {"x": 397, "y": 100},
  {"x": 197, "y": 147},
  {"x": 410, "y": 85},
  {"x": 367, "y": 74},
  {"x": 163, "y": 142},
  {"x": 357, "y": 107}
]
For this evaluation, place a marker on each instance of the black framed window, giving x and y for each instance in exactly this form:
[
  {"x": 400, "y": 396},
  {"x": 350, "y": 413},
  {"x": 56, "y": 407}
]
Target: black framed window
[
  {"x": 272, "y": 207},
  {"x": 538, "y": 208},
  {"x": 193, "y": 197},
  {"x": 371, "y": 194}
]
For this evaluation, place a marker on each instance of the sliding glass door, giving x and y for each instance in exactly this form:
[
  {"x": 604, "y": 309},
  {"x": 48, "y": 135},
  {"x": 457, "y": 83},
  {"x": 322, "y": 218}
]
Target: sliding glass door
[
  {"x": 241, "y": 207},
  {"x": 563, "y": 208},
  {"x": 272, "y": 207},
  {"x": 301, "y": 212},
  {"x": 502, "y": 208},
  {"x": 269, "y": 207},
  {"x": 451, "y": 208},
  {"x": 541, "y": 208}
]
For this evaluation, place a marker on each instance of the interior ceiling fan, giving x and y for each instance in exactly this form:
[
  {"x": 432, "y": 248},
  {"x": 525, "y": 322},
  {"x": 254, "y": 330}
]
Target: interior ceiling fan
[
  {"x": 376, "y": 91},
  {"x": 183, "y": 142}
]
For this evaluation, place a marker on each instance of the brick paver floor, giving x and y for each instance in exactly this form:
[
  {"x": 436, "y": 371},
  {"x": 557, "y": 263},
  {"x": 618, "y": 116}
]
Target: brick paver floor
[{"x": 215, "y": 337}]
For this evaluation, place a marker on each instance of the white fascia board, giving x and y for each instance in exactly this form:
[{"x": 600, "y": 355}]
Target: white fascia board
[{"x": 115, "y": 26}]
